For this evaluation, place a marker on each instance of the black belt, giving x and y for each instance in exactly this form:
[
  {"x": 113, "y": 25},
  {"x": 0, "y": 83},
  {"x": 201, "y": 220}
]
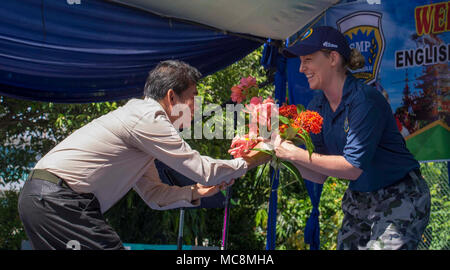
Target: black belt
[{"x": 47, "y": 176}]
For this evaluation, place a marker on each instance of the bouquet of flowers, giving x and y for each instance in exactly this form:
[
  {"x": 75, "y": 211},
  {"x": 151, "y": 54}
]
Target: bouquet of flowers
[{"x": 294, "y": 124}]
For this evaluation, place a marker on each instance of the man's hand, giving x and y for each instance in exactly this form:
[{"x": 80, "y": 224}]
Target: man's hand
[
  {"x": 256, "y": 158},
  {"x": 200, "y": 191}
]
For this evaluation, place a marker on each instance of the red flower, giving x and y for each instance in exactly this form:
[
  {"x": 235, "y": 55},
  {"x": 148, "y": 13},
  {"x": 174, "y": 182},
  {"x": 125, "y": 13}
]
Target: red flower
[{"x": 289, "y": 111}]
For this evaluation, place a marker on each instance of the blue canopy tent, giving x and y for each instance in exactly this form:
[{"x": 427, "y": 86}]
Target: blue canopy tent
[{"x": 90, "y": 51}]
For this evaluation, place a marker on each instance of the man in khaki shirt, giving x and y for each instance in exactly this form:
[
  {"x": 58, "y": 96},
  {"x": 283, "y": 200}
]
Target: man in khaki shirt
[{"x": 62, "y": 203}]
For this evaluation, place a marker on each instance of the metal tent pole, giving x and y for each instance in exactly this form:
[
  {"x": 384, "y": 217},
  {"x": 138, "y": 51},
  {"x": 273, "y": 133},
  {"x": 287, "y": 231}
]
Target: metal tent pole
[
  {"x": 173, "y": 181},
  {"x": 180, "y": 230},
  {"x": 226, "y": 219}
]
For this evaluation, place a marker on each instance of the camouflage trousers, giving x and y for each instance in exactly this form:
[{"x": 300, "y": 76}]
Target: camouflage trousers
[{"x": 394, "y": 217}]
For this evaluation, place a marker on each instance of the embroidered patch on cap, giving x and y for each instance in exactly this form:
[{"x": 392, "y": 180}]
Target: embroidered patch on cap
[
  {"x": 329, "y": 45},
  {"x": 307, "y": 34}
]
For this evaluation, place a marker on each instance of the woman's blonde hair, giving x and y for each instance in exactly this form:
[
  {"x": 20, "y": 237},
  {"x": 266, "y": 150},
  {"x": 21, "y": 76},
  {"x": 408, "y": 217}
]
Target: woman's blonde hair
[{"x": 355, "y": 62}]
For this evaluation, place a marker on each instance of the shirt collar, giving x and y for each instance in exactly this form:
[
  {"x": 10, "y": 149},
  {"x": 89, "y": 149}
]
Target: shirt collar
[{"x": 347, "y": 89}]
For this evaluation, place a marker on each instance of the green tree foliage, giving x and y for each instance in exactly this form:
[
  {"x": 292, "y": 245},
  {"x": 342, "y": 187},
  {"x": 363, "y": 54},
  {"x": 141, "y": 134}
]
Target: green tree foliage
[
  {"x": 11, "y": 230},
  {"x": 29, "y": 129},
  {"x": 437, "y": 234}
]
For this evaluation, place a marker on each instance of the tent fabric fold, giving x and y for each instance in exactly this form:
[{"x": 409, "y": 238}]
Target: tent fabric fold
[
  {"x": 98, "y": 50},
  {"x": 262, "y": 18}
]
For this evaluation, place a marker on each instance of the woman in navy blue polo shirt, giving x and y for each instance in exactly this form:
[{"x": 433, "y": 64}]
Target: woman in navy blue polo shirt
[{"x": 387, "y": 203}]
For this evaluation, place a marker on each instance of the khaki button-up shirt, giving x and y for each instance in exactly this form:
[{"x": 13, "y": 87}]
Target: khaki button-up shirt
[{"x": 116, "y": 152}]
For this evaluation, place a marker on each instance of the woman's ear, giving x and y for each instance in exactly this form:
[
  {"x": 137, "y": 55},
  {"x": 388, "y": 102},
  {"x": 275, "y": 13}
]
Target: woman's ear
[{"x": 334, "y": 58}]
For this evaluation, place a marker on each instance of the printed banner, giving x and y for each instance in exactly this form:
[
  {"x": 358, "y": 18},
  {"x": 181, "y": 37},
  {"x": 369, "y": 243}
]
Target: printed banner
[
  {"x": 407, "y": 51},
  {"x": 406, "y": 44}
]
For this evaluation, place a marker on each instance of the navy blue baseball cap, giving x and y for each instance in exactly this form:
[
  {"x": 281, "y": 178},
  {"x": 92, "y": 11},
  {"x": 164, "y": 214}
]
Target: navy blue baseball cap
[{"x": 318, "y": 38}]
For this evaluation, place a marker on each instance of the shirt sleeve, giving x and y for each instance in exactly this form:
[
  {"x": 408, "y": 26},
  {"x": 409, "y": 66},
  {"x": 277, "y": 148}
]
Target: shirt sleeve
[
  {"x": 156, "y": 136},
  {"x": 366, "y": 124},
  {"x": 160, "y": 196}
]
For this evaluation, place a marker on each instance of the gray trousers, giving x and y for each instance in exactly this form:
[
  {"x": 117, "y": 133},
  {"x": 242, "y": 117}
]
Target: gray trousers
[
  {"x": 394, "y": 217},
  {"x": 56, "y": 217}
]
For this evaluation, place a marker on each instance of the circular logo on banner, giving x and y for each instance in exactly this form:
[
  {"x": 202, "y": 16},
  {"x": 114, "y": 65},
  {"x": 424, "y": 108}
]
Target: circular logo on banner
[{"x": 307, "y": 34}]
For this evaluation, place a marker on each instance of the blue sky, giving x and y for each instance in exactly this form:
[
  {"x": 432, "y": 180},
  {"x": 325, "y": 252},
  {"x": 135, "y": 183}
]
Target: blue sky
[{"x": 398, "y": 26}]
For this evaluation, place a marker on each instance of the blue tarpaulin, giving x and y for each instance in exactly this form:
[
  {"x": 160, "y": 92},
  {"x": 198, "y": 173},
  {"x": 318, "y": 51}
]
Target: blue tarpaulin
[{"x": 98, "y": 50}]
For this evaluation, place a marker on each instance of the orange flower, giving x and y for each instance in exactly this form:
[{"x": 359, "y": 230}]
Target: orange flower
[
  {"x": 296, "y": 124},
  {"x": 310, "y": 121},
  {"x": 283, "y": 128}
]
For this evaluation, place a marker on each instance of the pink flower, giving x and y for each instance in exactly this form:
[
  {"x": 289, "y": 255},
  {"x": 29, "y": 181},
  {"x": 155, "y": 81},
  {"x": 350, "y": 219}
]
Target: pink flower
[
  {"x": 241, "y": 145},
  {"x": 255, "y": 101},
  {"x": 266, "y": 111},
  {"x": 253, "y": 109},
  {"x": 269, "y": 100},
  {"x": 246, "y": 87},
  {"x": 248, "y": 82},
  {"x": 260, "y": 112},
  {"x": 237, "y": 95}
]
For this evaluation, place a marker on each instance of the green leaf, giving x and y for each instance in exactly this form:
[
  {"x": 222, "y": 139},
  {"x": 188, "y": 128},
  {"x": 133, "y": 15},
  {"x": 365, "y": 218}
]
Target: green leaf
[
  {"x": 300, "y": 108},
  {"x": 269, "y": 152},
  {"x": 290, "y": 133},
  {"x": 260, "y": 171},
  {"x": 297, "y": 141},
  {"x": 308, "y": 143},
  {"x": 292, "y": 169},
  {"x": 259, "y": 175},
  {"x": 284, "y": 120}
]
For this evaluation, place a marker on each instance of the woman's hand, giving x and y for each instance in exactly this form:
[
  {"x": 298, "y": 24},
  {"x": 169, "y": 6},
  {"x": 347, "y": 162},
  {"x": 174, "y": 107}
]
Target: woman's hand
[
  {"x": 200, "y": 191},
  {"x": 285, "y": 150}
]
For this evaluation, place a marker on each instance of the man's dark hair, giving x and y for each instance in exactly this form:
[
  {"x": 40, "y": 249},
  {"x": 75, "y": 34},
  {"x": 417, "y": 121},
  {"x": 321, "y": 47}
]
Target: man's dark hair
[{"x": 170, "y": 74}]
